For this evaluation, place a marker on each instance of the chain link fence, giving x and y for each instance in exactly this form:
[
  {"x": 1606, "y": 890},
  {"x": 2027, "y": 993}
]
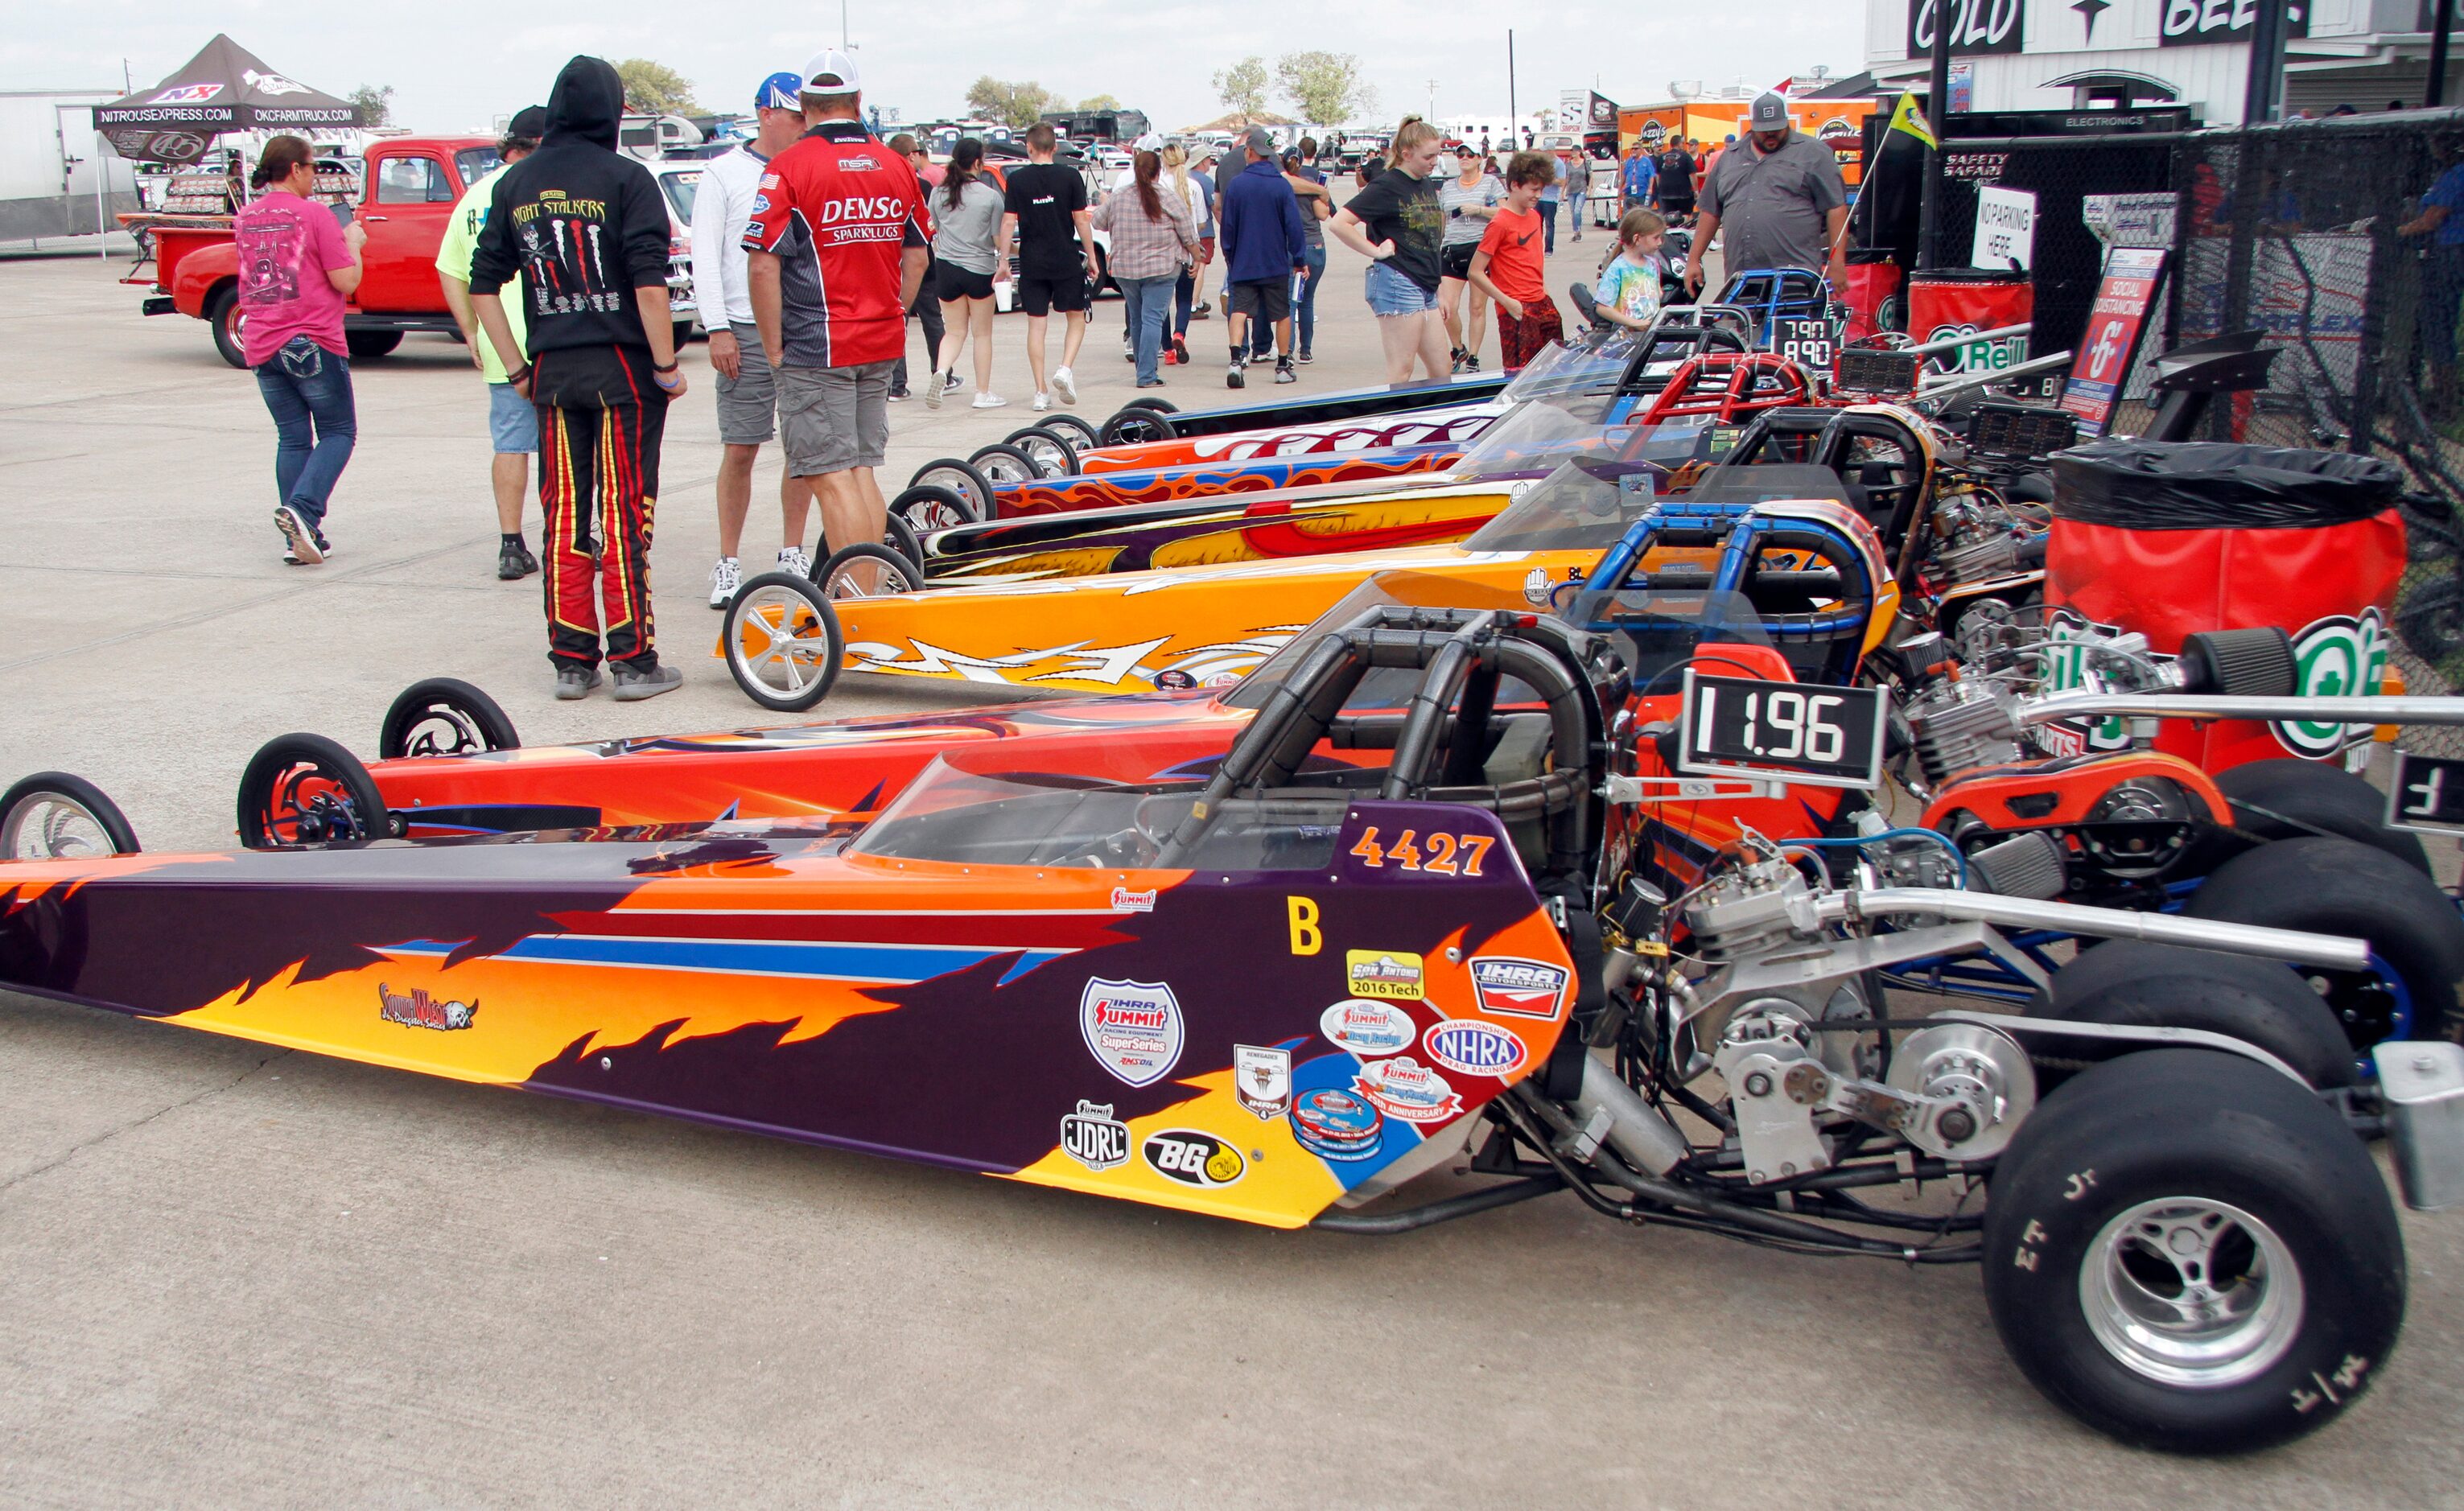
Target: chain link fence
[{"x": 2328, "y": 236}]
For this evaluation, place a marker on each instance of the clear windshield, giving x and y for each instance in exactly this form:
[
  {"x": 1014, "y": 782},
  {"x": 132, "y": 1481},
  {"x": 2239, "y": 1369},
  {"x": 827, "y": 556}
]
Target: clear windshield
[
  {"x": 1579, "y": 507},
  {"x": 957, "y": 809},
  {"x": 1762, "y": 483},
  {"x": 680, "y": 188},
  {"x": 1383, "y": 686},
  {"x": 1592, "y": 363}
]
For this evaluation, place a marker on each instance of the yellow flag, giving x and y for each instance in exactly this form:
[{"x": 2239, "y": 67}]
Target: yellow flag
[{"x": 1907, "y": 117}]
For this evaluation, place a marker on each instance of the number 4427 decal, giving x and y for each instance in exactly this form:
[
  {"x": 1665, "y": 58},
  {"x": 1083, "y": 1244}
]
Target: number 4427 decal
[{"x": 1440, "y": 854}]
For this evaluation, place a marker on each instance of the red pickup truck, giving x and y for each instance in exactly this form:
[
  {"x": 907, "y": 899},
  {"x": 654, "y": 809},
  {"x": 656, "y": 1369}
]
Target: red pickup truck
[{"x": 408, "y": 195}]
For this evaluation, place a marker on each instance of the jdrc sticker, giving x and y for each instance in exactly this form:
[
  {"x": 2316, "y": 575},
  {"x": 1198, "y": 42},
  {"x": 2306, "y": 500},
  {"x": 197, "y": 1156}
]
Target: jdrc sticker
[
  {"x": 1391, "y": 974},
  {"x": 1474, "y": 1048},
  {"x": 1523, "y": 988},
  {"x": 1367, "y": 1029},
  {"x": 1408, "y": 1091},
  {"x": 1194, "y": 1158},
  {"x": 1132, "y": 1028}
]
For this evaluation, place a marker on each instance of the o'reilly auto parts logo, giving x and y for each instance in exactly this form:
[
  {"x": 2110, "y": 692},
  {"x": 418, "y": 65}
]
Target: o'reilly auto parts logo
[{"x": 2338, "y": 656}]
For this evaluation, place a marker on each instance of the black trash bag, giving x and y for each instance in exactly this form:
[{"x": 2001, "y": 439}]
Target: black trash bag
[{"x": 2218, "y": 485}]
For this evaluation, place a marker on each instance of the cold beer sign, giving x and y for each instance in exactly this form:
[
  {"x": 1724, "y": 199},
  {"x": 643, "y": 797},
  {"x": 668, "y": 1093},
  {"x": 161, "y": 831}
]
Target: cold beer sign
[{"x": 1976, "y": 26}]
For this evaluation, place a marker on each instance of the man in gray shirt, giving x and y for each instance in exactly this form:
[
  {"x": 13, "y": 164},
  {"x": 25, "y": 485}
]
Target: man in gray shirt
[{"x": 1779, "y": 197}]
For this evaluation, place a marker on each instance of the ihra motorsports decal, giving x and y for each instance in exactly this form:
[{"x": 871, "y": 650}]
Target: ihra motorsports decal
[{"x": 1132, "y": 1028}]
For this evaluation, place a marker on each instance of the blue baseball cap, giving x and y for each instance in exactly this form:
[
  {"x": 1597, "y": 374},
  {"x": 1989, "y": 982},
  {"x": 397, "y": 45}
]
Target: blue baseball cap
[{"x": 779, "y": 91}]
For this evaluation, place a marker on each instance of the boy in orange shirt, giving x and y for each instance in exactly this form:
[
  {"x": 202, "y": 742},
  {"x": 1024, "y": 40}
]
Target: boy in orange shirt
[{"x": 1508, "y": 269}]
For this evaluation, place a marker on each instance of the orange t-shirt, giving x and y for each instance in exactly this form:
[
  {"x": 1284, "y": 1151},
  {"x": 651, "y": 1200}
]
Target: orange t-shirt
[{"x": 1513, "y": 244}]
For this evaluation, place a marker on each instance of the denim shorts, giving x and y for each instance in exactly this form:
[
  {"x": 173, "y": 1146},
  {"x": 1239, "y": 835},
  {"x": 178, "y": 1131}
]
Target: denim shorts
[
  {"x": 512, "y": 421},
  {"x": 1390, "y": 293}
]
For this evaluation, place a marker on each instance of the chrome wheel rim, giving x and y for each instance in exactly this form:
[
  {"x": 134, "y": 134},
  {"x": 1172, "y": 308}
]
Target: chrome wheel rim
[
  {"x": 47, "y": 826},
  {"x": 1005, "y": 469},
  {"x": 783, "y": 660},
  {"x": 956, "y": 482},
  {"x": 444, "y": 730},
  {"x": 2192, "y": 1292},
  {"x": 1050, "y": 458},
  {"x": 887, "y": 579}
]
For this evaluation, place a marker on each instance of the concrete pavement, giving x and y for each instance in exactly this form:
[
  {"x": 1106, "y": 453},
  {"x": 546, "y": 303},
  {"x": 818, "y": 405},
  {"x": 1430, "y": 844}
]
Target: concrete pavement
[{"x": 232, "y": 1275}]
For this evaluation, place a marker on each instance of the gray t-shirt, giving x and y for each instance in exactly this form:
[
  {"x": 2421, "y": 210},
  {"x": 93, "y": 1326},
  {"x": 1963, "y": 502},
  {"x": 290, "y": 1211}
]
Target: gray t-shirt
[
  {"x": 1771, "y": 207},
  {"x": 1488, "y": 194},
  {"x": 965, "y": 237}
]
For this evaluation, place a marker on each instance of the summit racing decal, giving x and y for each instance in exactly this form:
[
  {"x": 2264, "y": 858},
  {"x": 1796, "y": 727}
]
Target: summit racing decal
[
  {"x": 1523, "y": 988},
  {"x": 1094, "y": 1138},
  {"x": 1367, "y": 1029},
  {"x": 1474, "y": 1048},
  {"x": 1194, "y": 1158},
  {"x": 1127, "y": 901},
  {"x": 1391, "y": 974},
  {"x": 1132, "y": 1028},
  {"x": 416, "y": 1009},
  {"x": 1406, "y": 1090}
]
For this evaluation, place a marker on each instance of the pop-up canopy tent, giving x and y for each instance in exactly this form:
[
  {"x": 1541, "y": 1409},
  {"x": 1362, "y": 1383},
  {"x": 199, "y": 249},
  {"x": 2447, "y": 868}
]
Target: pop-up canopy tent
[{"x": 223, "y": 88}]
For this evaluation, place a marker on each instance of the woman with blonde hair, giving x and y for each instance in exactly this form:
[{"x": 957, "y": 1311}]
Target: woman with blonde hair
[{"x": 1398, "y": 222}]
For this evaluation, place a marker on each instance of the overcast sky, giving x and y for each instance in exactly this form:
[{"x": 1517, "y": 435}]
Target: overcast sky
[{"x": 459, "y": 63}]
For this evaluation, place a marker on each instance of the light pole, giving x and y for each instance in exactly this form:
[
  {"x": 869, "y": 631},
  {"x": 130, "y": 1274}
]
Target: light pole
[{"x": 1512, "y": 116}]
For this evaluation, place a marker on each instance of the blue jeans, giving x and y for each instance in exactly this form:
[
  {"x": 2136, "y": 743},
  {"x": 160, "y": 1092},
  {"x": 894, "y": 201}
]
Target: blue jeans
[
  {"x": 1184, "y": 297},
  {"x": 1148, "y": 302},
  {"x": 1305, "y": 314},
  {"x": 1547, "y": 224},
  {"x": 307, "y": 389}
]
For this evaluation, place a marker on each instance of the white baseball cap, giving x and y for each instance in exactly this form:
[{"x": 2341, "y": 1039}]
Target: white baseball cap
[
  {"x": 1150, "y": 143},
  {"x": 831, "y": 72}
]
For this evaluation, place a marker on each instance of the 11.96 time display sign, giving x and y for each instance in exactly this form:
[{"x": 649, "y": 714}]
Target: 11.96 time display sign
[{"x": 1803, "y": 731}]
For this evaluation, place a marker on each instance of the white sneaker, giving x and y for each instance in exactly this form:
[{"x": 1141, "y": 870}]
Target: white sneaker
[
  {"x": 1042, "y": 400},
  {"x": 792, "y": 558},
  {"x": 1065, "y": 385},
  {"x": 989, "y": 401},
  {"x": 933, "y": 390},
  {"x": 724, "y": 580}
]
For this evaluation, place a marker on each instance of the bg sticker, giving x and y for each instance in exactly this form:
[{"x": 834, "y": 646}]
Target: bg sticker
[{"x": 1194, "y": 1158}]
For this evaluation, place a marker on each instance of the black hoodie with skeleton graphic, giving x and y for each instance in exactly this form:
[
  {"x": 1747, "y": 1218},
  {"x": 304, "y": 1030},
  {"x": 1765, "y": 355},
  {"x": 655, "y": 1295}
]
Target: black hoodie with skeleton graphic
[{"x": 583, "y": 221}]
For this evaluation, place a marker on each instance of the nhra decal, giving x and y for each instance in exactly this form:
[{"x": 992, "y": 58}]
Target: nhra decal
[
  {"x": 1194, "y": 1158},
  {"x": 1367, "y": 1029},
  {"x": 1523, "y": 988},
  {"x": 1132, "y": 1028},
  {"x": 1391, "y": 973},
  {"x": 1408, "y": 1091},
  {"x": 2335, "y": 657},
  {"x": 1262, "y": 1080},
  {"x": 419, "y": 1009},
  {"x": 1474, "y": 1048},
  {"x": 1094, "y": 1138},
  {"x": 1334, "y": 1125}
]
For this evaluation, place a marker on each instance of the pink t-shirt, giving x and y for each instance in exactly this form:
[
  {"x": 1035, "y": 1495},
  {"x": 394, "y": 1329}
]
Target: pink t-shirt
[{"x": 287, "y": 245}]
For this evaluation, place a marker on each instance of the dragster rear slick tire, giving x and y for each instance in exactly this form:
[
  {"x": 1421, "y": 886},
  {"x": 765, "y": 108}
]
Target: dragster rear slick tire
[
  {"x": 2319, "y": 796},
  {"x": 2334, "y": 885},
  {"x": 2258, "y": 1192},
  {"x": 2135, "y": 983}
]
